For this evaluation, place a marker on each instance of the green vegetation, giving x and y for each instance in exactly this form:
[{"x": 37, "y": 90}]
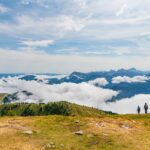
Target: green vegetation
[
  {"x": 53, "y": 108},
  {"x": 2, "y": 95},
  {"x": 117, "y": 132},
  {"x": 54, "y": 126}
]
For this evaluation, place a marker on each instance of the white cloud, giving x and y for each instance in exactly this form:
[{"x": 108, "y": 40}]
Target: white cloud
[
  {"x": 41, "y": 43},
  {"x": 25, "y": 2},
  {"x": 53, "y": 27},
  {"x": 94, "y": 19},
  {"x": 3, "y": 9},
  {"x": 30, "y": 61},
  {"x": 126, "y": 79},
  {"x": 83, "y": 93},
  {"x": 81, "y": 3},
  {"x": 128, "y": 105},
  {"x": 99, "y": 82},
  {"x": 121, "y": 11}
]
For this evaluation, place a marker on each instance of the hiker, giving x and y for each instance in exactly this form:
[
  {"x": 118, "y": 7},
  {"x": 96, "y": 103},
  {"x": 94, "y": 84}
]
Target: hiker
[
  {"x": 146, "y": 108},
  {"x": 138, "y": 109}
]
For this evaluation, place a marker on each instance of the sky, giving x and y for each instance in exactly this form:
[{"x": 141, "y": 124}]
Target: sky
[{"x": 61, "y": 36}]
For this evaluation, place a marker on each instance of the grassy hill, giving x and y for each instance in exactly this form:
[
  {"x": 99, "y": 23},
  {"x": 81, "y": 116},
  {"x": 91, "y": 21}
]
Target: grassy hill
[
  {"x": 2, "y": 95},
  {"x": 74, "y": 127},
  {"x": 116, "y": 132}
]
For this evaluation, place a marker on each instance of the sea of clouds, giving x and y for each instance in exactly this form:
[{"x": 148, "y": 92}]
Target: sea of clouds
[
  {"x": 99, "y": 82},
  {"x": 125, "y": 79},
  {"x": 83, "y": 93}
]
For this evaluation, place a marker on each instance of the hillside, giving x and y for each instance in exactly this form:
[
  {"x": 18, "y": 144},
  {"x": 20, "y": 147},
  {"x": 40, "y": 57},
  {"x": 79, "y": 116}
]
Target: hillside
[
  {"x": 53, "y": 108},
  {"x": 67, "y": 126},
  {"x": 117, "y": 132},
  {"x": 2, "y": 95}
]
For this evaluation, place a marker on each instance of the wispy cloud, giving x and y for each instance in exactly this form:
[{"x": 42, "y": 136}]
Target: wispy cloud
[
  {"x": 57, "y": 26},
  {"x": 38, "y": 61},
  {"x": 91, "y": 27},
  {"x": 41, "y": 43},
  {"x": 99, "y": 82},
  {"x": 122, "y": 9},
  {"x": 3, "y": 9}
]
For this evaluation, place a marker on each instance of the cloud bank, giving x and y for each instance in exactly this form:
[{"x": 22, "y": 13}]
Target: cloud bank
[
  {"x": 128, "y": 105},
  {"x": 125, "y": 79},
  {"x": 99, "y": 82},
  {"x": 83, "y": 93}
]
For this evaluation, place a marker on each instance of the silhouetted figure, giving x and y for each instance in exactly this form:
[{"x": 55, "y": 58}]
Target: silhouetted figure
[
  {"x": 138, "y": 109},
  {"x": 146, "y": 108}
]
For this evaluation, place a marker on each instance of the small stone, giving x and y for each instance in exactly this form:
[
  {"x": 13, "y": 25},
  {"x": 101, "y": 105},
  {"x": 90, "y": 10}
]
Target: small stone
[
  {"x": 105, "y": 134},
  {"x": 125, "y": 126},
  {"x": 62, "y": 145},
  {"x": 79, "y": 133},
  {"x": 133, "y": 121},
  {"x": 100, "y": 124},
  {"x": 53, "y": 146},
  {"x": 28, "y": 132},
  {"x": 77, "y": 121},
  {"x": 52, "y": 143},
  {"x": 48, "y": 146}
]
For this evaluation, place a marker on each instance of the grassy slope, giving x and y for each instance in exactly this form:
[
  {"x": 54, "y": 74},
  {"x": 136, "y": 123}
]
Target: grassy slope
[
  {"x": 84, "y": 110},
  {"x": 53, "y": 108},
  {"x": 101, "y": 131},
  {"x": 125, "y": 132},
  {"x": 2, "y": 96}
]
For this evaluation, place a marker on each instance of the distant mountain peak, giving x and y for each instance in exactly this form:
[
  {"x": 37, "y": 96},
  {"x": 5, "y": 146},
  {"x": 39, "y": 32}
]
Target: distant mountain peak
[{"x": 133, "y": 69}]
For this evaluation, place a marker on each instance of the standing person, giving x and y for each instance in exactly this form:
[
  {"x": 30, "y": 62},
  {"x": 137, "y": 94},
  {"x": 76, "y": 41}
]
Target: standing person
[
  {"x": 146, "y": 108},
  {"x": 138, "y": 109}
]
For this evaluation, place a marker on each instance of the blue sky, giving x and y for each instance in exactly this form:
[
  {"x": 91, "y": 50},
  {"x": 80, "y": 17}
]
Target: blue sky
[{"x": 84, "y": 35}]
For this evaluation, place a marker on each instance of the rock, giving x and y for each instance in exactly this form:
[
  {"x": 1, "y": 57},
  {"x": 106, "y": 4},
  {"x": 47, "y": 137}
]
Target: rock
[
  {"x": 77, "y": 121},
  {"x": 53, "y": 146},
  {"x": 62, "y": 145},
  {"x": 29, "y": 132},
  {"x": 52, "y": 143},
  {"x": 49, "y": 145},
  {"x": 125, "y": 126},
  {"x": 100, "y": 124},
  {"x": 105, "y": 134},
  {"x": 79, "y": 132},
  {"x": 133, "y": 121}
]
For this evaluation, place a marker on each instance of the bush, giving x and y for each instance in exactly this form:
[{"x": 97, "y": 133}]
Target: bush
[{"x": 24, "y": 109}]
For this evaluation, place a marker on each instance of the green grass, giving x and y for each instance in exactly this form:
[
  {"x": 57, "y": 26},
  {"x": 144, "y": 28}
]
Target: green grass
[
  {"x": 60, "y": 130},
  {"x": 2, "y": 95},
  {"x": 101, "y": 130}
]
